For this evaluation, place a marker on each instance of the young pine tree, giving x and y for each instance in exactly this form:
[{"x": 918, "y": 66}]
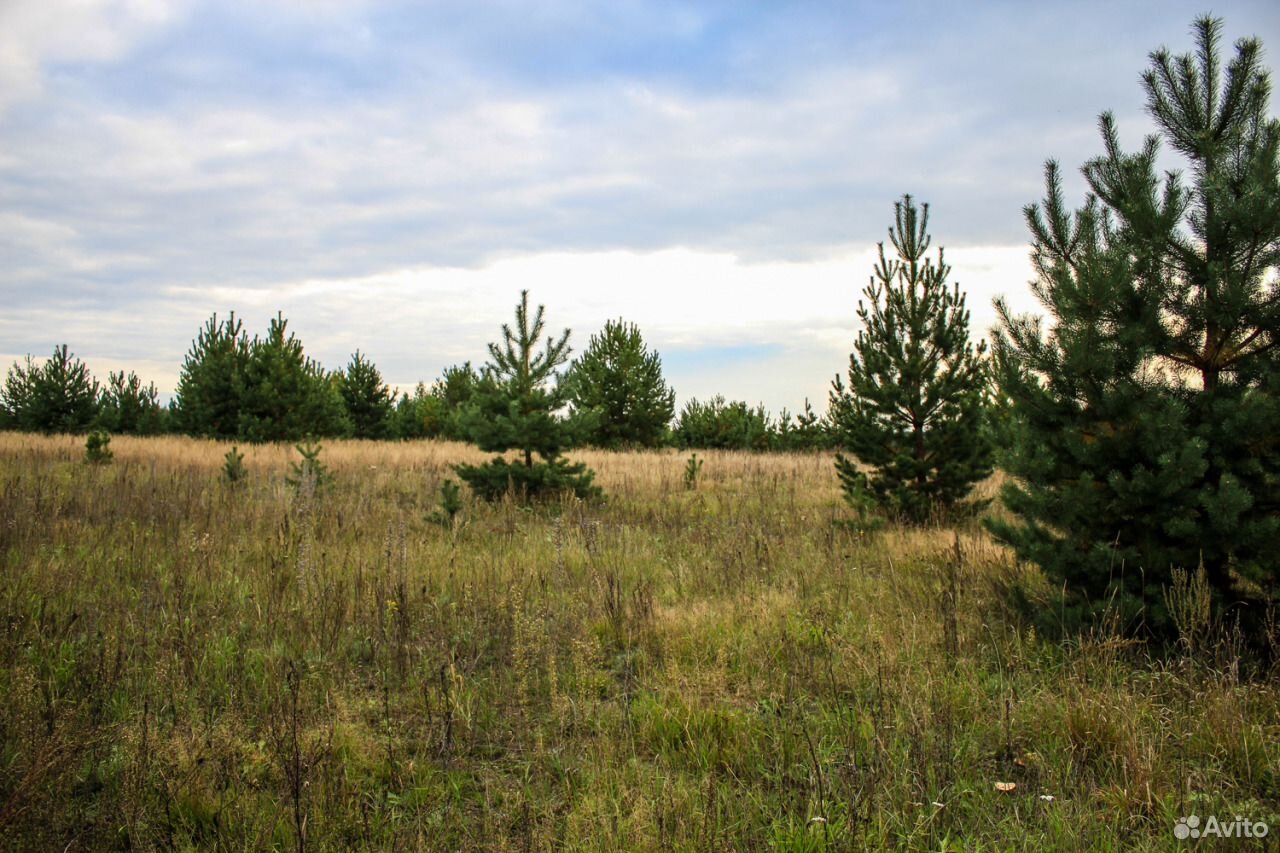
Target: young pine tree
[
  {"x": 308, "y": 473},
  {"x": 1144, "y": 415},
  {"x": 367, "y": 399},
  {"x": 915, "y": 404},
  {"x": 808, "y": 431},
  {"x": 456, "y": 385},
  {"x": 285, "y": 394},
  {"x": 619, "y": 379},
  {"x": 233, "y": 468},
  {"x": 420, "y": 415},
  {"x": 721, "y": 424},
  {"x": 210, "y": 387},
  {"x": 125, "y": 405},
  {"x": 59, "y": 395},
  {"x": 451, "y": 392},
  {"x": 516, "y": 407},
  {"x": 15, "y": 395},
  {"x": 97, "y": 448}
]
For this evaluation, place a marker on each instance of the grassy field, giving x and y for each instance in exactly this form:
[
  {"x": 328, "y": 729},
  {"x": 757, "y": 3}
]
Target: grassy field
[{"x": 188, "y": 664}]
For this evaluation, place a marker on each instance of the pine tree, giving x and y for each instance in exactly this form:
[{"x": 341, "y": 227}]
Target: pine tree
[
  {"x": 1144, "y": 414},
  {"x": 620, "y": 379},
  {"x": 210, "y": 387},
  {"x": 808, "y": 431},
  {"x": 308, "y": 474},
  {"x": 59, "y": 395},
  {"x": 915, "y": 404},
  {"x": 456, "y": 385},
  {"x": 284, "y": 394},
  {"x": 97, "y": 448},
  {"x": 16, "y": 397},
  {"x": 420, "y": 415},
  {"x": 721, "y": 424},
  {"x": 452, "y": 391},
  {"x": 127, "y": 406},
  {"x": 367, "y": 399},
  {"x": 233, "y": 469},
  {"x": 516, "y": 407}
]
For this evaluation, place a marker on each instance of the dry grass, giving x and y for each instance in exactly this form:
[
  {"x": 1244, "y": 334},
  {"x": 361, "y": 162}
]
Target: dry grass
[{"x": 191, "y": 664}]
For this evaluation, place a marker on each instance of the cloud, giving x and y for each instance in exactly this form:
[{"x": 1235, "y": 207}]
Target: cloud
[
  {"x": 35, "y": 33},
  {"x": 240, "y": 196}
]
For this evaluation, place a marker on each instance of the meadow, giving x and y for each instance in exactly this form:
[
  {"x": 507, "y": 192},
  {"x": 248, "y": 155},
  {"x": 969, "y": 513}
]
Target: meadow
[{"x": 192, "y": 664}]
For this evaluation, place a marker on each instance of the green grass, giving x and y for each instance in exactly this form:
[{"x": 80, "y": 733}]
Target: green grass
[{"x": 188, "y": 663}]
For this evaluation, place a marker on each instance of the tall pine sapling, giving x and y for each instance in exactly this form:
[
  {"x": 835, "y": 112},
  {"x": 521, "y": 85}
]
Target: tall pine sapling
[
  {"x": 620, "y": 379},
  {"x": 367, "y": 398},
  {"x": 1144, "y": 414},
  {"x": 59, "y": 395},
  {"x": 66, "y": 393},
  {"x": 515, "y": 407},
  {"x": 917, "y": 396},
  {"x": 125, "y": 405},
  {"x": 211, "y": 384},
  {"x": 285, "y": 394}
]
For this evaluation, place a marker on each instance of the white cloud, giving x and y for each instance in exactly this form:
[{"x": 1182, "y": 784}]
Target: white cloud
[
  {"x": 36, "y": 32},
  {"x": 260, "y": 195}
]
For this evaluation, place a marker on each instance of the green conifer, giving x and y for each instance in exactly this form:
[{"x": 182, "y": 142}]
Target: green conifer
[
  {"x": 367, "y": 398},
  {"x": 208, "y": 398},
  {"x": 915, "y": 404},
  {"x": 620, "y": 379},
  {"x": 59, "y": 395},
  {"x": 1144, "y": 414},
  {"x": 284, "y": 394},
  {"x": 516, "y": 407}
]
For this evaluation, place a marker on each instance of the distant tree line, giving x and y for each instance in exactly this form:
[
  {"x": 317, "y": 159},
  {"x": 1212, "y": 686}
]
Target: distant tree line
[{"x": 266, "y": 388}]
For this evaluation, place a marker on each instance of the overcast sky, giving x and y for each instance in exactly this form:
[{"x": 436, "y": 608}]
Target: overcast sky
[{"x": 391, "y": 174}]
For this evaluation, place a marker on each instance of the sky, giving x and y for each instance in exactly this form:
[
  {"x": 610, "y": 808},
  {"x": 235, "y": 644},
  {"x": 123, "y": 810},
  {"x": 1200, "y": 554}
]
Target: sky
[{"x": 390, "y": 175}]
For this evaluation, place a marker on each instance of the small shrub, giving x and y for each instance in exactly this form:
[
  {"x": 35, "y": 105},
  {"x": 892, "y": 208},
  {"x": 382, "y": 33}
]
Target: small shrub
[
  {"x": 309, "y": 471},
  {"x": 450, "y": 503},
  {"x": 858, "y": 495},
  {"x": 233, "y": 466},
  {"x": 692, "y": 469},
  {"x": 97, "y": 448}
]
